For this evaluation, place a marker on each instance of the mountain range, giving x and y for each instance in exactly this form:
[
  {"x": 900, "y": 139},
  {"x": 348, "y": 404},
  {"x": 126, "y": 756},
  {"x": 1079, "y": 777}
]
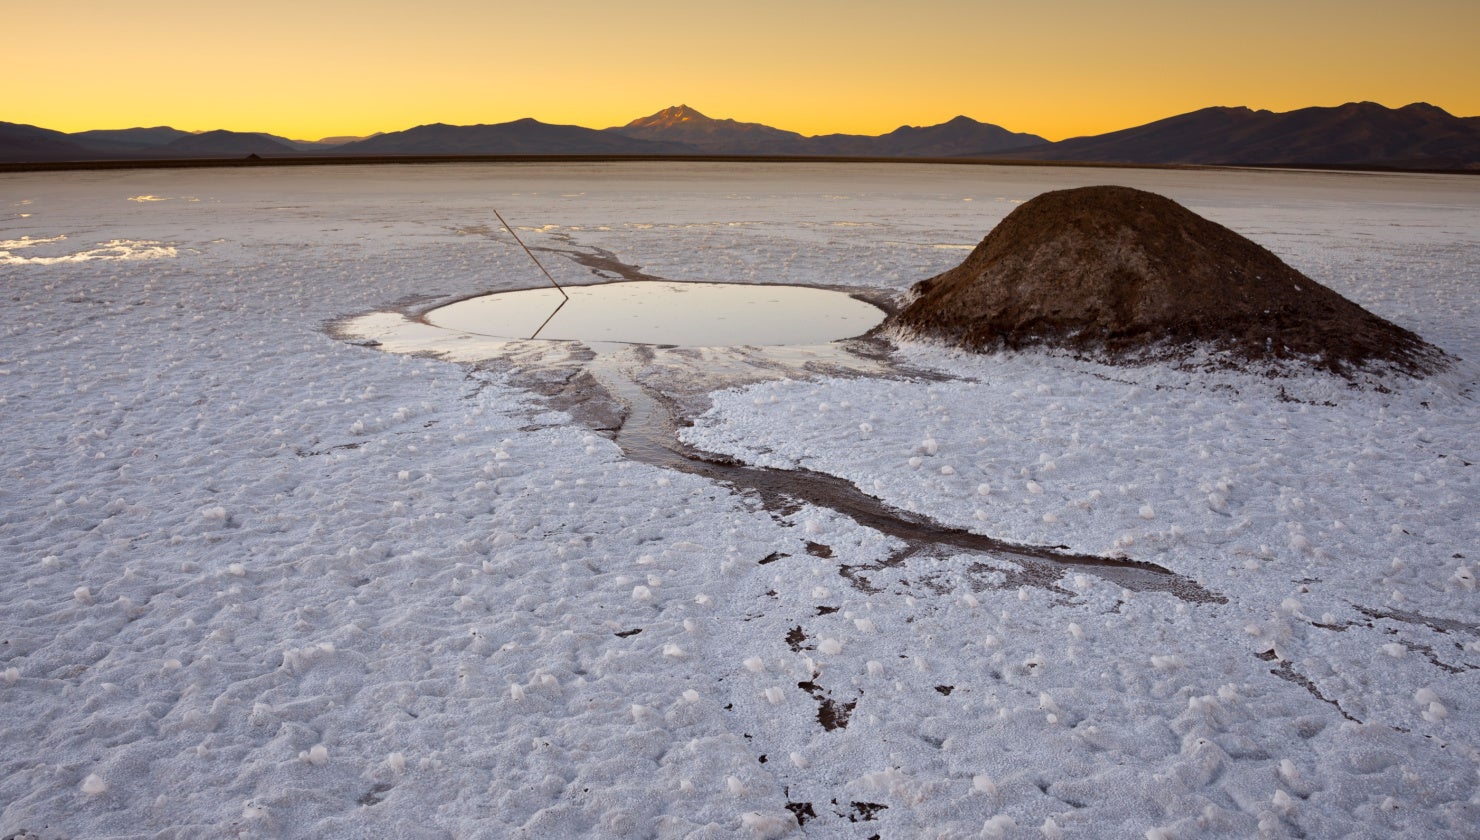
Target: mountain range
[{"x": 1417, "y": 136}]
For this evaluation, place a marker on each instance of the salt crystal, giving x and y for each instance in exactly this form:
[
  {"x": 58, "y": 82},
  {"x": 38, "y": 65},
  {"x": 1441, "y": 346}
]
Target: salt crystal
[
  {"x": 94, "y": 785},
  {"x": 999, "y": 826}
]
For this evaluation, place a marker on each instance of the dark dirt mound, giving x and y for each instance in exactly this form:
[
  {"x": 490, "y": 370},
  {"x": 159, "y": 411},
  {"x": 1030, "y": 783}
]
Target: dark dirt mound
[{"x": 1130, "y": 274}]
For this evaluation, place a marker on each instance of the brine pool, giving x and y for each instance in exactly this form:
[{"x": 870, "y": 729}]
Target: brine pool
[{"x": 664, "y": 313}]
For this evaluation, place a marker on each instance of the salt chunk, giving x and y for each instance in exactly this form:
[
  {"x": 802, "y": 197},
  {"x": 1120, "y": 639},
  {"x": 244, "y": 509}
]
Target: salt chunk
[
  {"x": 11, "y": 675},
  {"x": 1394, "y": 649},
  {"x": 1148, "y": 512},
  {"x": 799, "y": 760},
  {"x": 830, "y": 646},
  {"x": 984, "y": 784},
  {"x": 691, "y": 696},
  {"x": 999, "y": 826},
  {"x": 1283, "y": 803},
  {"x": 875, "y": 668},
  {"x": 672, "y": 651},
  {"x": 754, "y": 664},
  {"x": 396, "y": 761},
  {"x": 984, "y": 489},
  {"x": 767, "y": 826},
  {"x": 317, "y": 755},
  {"x": 736, "y": 786},
  {"x": 94, "y": 785},
  {"x": 774, "y": 695},
  {"x": 1289, "y": 772},
  {"x": 864, "y": 625},
  {"x": 641, "y": 593},
  {"x": 1464, "y": 577},
  {"x": 254, "y": 810}
]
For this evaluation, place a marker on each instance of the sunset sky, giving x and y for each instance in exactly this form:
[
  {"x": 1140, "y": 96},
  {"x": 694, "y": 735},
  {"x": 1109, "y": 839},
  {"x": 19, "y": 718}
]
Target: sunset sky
[{"x": 314, "y": 68}]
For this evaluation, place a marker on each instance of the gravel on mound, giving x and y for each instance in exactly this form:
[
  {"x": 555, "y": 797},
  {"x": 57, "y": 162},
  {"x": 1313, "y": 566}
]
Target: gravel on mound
[{"x": 1129, "y": 273}]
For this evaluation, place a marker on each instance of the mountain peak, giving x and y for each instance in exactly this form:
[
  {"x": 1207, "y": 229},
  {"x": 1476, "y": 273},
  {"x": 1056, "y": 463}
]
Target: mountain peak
[{"x": 670, "y": 116}]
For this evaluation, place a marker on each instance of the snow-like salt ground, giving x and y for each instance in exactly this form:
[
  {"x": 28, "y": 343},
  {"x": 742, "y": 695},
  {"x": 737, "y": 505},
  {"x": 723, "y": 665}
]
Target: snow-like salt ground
[{"x": 258, "y": 582}]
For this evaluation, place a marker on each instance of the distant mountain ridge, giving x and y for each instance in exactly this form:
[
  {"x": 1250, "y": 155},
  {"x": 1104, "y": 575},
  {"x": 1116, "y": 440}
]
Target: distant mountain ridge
[
  {"x": 1416, "y": 136},
  {"x": 520, "y": 137},
  {"x": 1419, "y": 135},
  {"x": 960, "y": 136}
]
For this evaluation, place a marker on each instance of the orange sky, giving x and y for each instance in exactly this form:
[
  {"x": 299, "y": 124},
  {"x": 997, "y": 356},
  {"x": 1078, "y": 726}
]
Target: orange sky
[{"x": 313, "y": 68}]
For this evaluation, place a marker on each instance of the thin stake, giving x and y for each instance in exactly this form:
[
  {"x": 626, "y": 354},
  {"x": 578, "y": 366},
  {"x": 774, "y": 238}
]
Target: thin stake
[
  {"x": 547, "y": 321},
  {"x": 510, "y": 228}
]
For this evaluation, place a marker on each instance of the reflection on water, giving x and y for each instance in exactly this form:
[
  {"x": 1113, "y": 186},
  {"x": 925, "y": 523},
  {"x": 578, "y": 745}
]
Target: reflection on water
[{"x": 664, "y": 313}]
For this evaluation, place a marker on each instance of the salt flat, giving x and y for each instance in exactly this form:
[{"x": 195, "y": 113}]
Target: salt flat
[{"x": 259, "y": 581}]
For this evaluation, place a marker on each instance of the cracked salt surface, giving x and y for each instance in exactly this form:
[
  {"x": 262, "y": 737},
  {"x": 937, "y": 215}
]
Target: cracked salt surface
[{"x": 257, "y": 581}]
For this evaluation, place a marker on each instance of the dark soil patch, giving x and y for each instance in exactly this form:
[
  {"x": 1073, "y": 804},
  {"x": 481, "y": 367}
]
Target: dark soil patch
[{"x": 1124, "y": 273}]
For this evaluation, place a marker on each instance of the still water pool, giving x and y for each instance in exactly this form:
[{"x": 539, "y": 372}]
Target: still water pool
[{"x": 664, "y": 313}]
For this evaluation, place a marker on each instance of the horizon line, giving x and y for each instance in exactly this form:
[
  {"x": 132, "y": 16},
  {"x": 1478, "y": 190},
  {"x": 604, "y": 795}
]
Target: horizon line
[{"x": 354, "y": 137}]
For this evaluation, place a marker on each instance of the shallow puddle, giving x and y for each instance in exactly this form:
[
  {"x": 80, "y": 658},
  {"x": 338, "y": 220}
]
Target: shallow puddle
[{"x": 664, "y": 313}]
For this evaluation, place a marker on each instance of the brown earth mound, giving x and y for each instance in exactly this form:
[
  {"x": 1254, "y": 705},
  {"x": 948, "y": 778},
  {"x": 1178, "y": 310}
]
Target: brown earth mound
[{"x": 1127, "y": 273}]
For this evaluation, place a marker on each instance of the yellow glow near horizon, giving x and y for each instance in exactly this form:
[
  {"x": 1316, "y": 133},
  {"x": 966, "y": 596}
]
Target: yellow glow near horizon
[{"x": 309, "y": 69}]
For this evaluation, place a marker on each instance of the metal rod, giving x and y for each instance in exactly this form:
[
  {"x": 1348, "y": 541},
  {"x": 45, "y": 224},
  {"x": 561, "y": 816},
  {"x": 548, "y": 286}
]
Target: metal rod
[
  {"x": 546, "y": 322},
  {"x": 510, "y": 228}
]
